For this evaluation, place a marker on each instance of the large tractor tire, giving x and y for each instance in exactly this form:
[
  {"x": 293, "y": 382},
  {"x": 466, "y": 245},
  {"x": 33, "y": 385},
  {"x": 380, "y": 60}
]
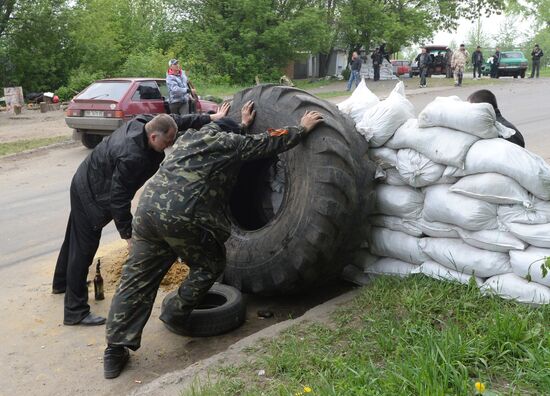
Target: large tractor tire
[{"x": 297, "y": 217}]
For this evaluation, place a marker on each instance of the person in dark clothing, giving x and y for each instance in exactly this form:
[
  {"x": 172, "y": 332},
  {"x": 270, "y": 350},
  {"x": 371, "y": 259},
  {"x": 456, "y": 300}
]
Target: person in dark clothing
[
  {"x": 376, "y": 61},
  {"x": 102, "y": 190},
  {"x": 496, "y": 63},
  {"x": 486, "y": 96},
  {"x": 384, "y": 54},
  {"x": 424, "y": 60},
  {"x": 182, "y": 213},
  {"x": 477, "y": 62},
  {"x": 536, "y": 54},
  {"x": 356, "y": 63}
]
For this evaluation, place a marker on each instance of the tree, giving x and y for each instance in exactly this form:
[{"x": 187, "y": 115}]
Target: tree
[
  {"x": 6, "y": 9},
  {"x": 477, "y": 36},
  {"x": 508, "y": 34}
]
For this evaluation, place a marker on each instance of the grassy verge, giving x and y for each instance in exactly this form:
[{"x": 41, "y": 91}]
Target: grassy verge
[
  {"x": 23, "y": 145},
  {"x": 403, "y": 337}
]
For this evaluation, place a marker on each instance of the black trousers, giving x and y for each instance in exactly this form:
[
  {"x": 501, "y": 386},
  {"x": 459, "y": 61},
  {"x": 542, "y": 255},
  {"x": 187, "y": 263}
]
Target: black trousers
[
  {"x": 535, "y": 69},
  {"x": 477, "y": 68},
  {"x": 76, "y": 256},
  {"x": 376, "y": 72}
]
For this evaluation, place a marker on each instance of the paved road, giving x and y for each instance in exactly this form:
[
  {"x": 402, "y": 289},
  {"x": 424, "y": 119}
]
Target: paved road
[{"x": 34, "y": 199}]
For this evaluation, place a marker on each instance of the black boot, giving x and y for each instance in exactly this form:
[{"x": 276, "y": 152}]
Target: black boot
[{"x": 114, "y": 360}]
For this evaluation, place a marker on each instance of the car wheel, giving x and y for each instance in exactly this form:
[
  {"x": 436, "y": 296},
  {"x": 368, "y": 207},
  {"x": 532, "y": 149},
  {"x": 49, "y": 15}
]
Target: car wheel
[
  {"x": 296, "y": 216},
  {"x": 90, "y": 140},
  {"x": 522, "y": 74},
  {"x": 516, "y": 75},
  {"x": 221, "y": 310}
]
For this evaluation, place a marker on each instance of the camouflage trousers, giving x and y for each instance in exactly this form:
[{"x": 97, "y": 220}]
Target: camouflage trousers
[{"x": 156, "y": 243}]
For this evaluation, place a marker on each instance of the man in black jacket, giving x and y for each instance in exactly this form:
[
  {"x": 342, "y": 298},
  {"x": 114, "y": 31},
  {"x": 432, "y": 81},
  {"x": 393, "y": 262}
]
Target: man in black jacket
[
  {"x": 536, "y": 54},
  {"x": 102, "y": 190},
  {"x": 495, "y": 64},
  {"x": 424, "y": 60},
  {"x": 486, "y": 96},
  {"x": 377, "y": 58},
  {"x": 477, "y": 62}
]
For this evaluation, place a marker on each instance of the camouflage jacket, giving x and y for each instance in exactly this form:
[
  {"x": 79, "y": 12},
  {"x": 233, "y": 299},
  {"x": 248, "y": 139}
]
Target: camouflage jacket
[{"x": 195, "y": 180}]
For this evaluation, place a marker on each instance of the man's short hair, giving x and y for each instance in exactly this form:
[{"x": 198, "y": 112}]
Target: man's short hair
[
  {"x": 484, "y": 96},
  {"x": 461, "y": 45},
  {"x": 161, "y": 123},
  {"x": 478, "y": 47}
]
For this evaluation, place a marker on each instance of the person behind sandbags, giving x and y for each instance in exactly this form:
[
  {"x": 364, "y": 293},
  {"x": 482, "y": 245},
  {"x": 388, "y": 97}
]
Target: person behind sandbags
[{"x": 486, "y": 96}]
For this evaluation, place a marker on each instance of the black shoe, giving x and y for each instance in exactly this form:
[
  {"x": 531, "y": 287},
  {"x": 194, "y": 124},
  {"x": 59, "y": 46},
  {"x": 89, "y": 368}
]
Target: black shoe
[
  {"x": 114, "y": 360},
  {"x": 57, "y": 291},
  {"x": 89, "y": 320}
]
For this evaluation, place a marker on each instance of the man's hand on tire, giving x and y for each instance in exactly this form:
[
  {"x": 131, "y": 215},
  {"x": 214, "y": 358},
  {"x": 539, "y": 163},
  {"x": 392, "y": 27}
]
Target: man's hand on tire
[
  {"x": 310, "y": 120},
  {"x": 247, "y": 114},
  {"x": 222, "y": 112}
]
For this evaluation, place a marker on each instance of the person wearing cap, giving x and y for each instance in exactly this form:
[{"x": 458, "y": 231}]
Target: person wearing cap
[
  {"x": 180, "y": 100},
  {"x": 460, "y": 58},
  {"x": 102, "y": 190},
  {"x": 182, "y": 213},
  {"x": 536, "y": 54}
]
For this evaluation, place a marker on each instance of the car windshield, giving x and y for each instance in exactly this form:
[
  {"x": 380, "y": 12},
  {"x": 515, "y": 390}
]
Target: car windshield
[
  {"x": 112, "y": 90},
  {"x": 512, "y": 55}
]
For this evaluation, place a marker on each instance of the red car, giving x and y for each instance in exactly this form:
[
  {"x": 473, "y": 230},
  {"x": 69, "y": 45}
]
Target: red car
[
  {"x": 401, "y": 67},
  {"x": 107, "y": 104}
]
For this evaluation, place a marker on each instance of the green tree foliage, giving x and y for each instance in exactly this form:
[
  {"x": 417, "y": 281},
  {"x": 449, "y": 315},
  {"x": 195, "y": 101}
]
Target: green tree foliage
[{"x": 46, "y": 44}]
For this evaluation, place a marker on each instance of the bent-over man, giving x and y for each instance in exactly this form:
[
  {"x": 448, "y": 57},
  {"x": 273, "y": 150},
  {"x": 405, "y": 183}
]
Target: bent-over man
[
  {"x": 182, "y": 213},
  {"x": 102, "y": 190}
]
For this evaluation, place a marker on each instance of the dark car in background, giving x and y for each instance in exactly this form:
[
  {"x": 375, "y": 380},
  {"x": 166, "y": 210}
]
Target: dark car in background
[
  {"x": 512, "y": 63},
  {"x": 106, "y": 104},
  {"x": 440, "y": 55}
]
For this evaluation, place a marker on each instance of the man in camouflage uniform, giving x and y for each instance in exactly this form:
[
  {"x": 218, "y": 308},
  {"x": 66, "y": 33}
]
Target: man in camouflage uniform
[
  {"x": 460, "y": 58},
  {"x": 181, "y": 213}
]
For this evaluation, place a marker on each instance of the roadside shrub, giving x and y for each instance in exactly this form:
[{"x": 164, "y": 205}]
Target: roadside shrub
[
  {"x": 151, "y": 63},
  {"x": 346, "y": 73}
]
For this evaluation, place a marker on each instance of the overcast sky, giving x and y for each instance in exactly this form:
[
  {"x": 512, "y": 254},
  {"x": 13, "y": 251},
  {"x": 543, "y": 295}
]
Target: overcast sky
[{"x": 490, "y": 27}]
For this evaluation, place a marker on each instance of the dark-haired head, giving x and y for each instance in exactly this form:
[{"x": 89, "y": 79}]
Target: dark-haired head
[{"x": 484, "y": 96}]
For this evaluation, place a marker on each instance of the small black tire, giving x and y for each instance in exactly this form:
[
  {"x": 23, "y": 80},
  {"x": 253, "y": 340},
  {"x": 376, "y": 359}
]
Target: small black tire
[
  {"x": 90, "y": 140},
  {"x": 222, "y": 309}
]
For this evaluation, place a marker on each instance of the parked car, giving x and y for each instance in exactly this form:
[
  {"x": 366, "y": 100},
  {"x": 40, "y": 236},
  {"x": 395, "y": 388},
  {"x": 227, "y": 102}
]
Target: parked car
[
  {"x": 440, "y": 65},
  {"x": 401, "y": 67},
  {"x": 106, "y": 104},
  {"x": 512, "y": 63}
]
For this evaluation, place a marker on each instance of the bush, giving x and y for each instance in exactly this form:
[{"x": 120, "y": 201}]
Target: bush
[
  {"x": 78, "y": 80},
  {"x": 346, "y": 73},
  {"x": 152, "y": 63}
]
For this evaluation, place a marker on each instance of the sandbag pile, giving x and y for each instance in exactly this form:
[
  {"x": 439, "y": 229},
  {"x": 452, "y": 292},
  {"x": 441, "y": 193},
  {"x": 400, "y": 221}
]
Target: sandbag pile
[
  {"x": 455, "y": 201},
  {"x": 386, "y": 70}
]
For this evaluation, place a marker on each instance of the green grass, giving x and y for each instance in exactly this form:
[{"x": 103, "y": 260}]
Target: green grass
[
  {"x": 24, "y": 145},
  {"x": 403, "y": 337}
]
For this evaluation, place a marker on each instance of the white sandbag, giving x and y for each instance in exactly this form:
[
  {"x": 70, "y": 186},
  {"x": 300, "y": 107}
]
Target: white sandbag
[
  {"x": 494, "y": 188},
  {"x": 527, "y": 264},
  {"x": 501, "y": 156},
  {"x": 383, "y": 157},
  {"x": 459, "y": 256},
  {"x": 393, "y": 178},
  {"x": 448, "y": 207},
  {"x": 396, "y": 224},
  {"x": 538, "y": 212},
  {"x": 390, "y": 266},
  {"x": 441, "y": 145},
  {"x": 534, "y": 234},
  {"x": 355, "y": 275},
  {"x": 453, "y": 171},
  {"x": 362, "y": 258},
  {"x": 503, "y": 131},
  {"x": 381, "y": 121},
  {"x": 438, "y": 271},
  {"x": 437, "y": 230},
  {"x": 494, "y": 240},
  {"x": 400, "y": 201},
  {"x": 395, "y": 244},
  {"x": 359, "y": 102},
  {"x": 477, "y": 119},
  {"x": 512, "y": 287},
  {"x": 417, "y": 169},
  {"x": 399, "y": 89}
]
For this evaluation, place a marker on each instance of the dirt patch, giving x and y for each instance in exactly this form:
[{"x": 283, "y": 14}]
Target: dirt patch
[
  {"x": 31, "y": 124},
  {"x": 113, "y": 258}
]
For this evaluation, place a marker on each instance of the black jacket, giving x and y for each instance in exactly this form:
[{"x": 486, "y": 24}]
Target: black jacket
[
  {"x": 356, "y": 64},
  {"x": 536, "y": 55},
  {"x": 477, "y": 58},
  {"x": 424, "y": 60},
  {"x": 517, "y": 137},
  {"x": 107, "y": 180}
]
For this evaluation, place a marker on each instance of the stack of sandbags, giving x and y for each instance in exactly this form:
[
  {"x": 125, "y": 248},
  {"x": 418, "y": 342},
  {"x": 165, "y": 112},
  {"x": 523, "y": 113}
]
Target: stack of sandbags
[
  {"x": 386, "y": 70},
  {"x": 457, "y": 202}
]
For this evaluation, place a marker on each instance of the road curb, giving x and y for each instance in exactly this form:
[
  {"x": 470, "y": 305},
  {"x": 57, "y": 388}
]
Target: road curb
[{"x": 176, "y": 382}]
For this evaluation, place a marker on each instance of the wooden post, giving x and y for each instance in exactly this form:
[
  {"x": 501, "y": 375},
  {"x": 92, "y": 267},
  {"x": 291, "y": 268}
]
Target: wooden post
[{"x": 43, "y": 107}]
